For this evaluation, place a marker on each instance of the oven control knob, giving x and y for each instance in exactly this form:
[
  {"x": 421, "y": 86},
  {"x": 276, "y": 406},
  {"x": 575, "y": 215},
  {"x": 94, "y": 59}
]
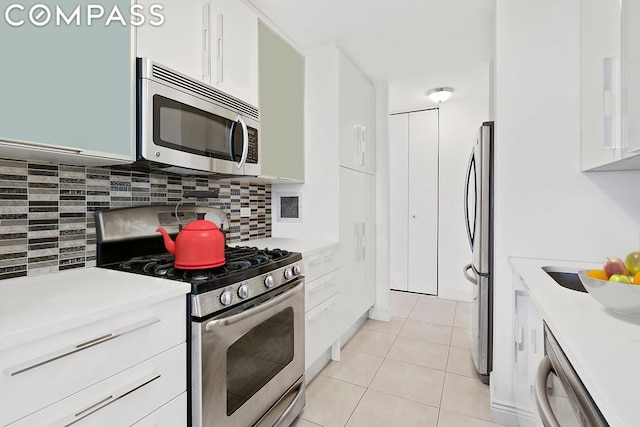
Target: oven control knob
[
  {"x": 297, "y": 270},
  {"x": 243, "y": 291},
  {"x": 225, "y": 298},
  {"x": 288, "y": 274},
  {"x": 268, "y": 281}
]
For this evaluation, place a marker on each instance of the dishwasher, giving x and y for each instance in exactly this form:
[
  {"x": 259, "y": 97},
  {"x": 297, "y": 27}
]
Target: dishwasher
[{"x": 561, "y": 398}]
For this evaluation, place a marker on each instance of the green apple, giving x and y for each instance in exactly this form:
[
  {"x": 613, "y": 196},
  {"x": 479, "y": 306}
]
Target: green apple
[
  {"x": 632, "y": 262},
  {"x": 620, "y": 278}
]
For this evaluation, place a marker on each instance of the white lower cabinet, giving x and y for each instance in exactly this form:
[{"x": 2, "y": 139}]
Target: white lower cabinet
[
  {"x": 528, "y": 351},
  {"x": 322, "y": 293},
  {"x": 116, "y": 370},
  {"x": 171, "y": 414},
  {"x": 122, "y": 399}
]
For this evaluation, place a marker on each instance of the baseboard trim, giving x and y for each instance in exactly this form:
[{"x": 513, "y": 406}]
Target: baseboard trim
[
  {"x": 504, "y": 413},
  {"x": 380, "y": 313}
]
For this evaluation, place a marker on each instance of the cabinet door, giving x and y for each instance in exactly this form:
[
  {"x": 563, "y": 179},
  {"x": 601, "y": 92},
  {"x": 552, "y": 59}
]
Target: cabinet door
[
  {"x": 423, "y": 203},
  {"x": 369, "y": 135},
  {"x": 234, "y": 54},
  {"x": 69, "y": 86},
  {"x": 600, "y": 83},
  {"x": 352, "y": 114},
  {"x": 351, "y": 272},
  {"x": 181, "y": 42},
  {"x": 281, "y": 107}
]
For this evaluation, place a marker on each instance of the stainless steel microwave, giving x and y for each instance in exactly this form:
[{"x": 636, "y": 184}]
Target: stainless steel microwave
[{"x": 184, "y": 125}]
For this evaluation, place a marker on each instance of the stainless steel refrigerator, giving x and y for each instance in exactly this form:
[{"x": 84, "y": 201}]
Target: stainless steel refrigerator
[{"x": 478, "y": 207}]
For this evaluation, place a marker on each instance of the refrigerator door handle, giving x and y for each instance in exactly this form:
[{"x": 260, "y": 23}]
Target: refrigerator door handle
[
  {"x": 472, "y": 279},
  {"x": 467, "y": 181}
]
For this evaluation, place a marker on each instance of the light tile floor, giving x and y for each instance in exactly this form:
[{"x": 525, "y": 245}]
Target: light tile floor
[{"x": 413, "y": 371}]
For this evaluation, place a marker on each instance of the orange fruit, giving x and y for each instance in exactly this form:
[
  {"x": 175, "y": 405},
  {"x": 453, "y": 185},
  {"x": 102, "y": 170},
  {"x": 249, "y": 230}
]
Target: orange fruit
[
  {"x": 599, "y": 274},
  {"x": 636, "y": 279}
]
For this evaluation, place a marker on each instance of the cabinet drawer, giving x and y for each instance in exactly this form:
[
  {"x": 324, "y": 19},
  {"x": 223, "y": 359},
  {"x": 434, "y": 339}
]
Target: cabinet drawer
[
  {"x": 40, "y": 373},
  {"x": 320, "y": 289},
  {"x": 173, "y": 414},
  {"x": 322, "y": 330},
  {"x": 120, "y": 400},
  {"x": 320, "y": 263}
]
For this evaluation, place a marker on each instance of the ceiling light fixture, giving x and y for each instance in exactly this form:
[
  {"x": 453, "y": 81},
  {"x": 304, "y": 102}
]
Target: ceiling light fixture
[{"x": 440, "y": 94}]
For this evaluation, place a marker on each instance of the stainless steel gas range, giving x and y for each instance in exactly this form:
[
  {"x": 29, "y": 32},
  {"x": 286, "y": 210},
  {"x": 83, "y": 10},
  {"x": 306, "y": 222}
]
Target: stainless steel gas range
[{"x": 246, "y": 321}]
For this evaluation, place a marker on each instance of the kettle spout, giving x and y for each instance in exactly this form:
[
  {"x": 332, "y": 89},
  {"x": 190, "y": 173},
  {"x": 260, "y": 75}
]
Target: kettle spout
[{"x": 168, "y": 243}]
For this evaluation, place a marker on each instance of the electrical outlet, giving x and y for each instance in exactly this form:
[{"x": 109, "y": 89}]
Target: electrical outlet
[{"x": 245, "y": 212}]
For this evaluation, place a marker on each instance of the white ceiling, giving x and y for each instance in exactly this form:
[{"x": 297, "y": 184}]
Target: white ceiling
[{"x": 414, "y": 45}]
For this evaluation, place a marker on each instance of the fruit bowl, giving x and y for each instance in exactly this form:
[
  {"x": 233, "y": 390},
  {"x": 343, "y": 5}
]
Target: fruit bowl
[{"x": 619, "y": 297}]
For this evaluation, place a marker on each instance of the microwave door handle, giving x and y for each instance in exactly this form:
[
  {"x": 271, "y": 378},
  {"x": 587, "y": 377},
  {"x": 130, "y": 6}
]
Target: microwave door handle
[{"x": 245, "y": 141}]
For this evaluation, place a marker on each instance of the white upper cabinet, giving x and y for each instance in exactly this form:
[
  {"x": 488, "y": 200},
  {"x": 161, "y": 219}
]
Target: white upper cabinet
[
  {"x": 610, "y": 88},
  {"x": 181, "y": 42},
  {"x": 67, "y": 90},
  {"x": 356, "y": 118},
  {"x": 234, "y": 49}
]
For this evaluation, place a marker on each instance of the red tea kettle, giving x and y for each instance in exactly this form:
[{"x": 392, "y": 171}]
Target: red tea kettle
[{"x": 199, "y": 245}]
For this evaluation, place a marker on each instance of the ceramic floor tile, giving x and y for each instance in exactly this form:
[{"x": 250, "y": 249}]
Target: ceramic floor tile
[
  {"x": 371, "y": 342},
  {"x": 461, "y": 363},
  {"x": 426, "y": 331},
  {"x": 406, "y": 298},
  {"x": 401, "y": 311},
  {"x": 463, "y": 315},
  {"x": 299, "y": 422},
  {"x": 330, "y": 402},
  {"x": 377, "y": 409},
  {"x": 416, "y": 383},
  {"x": 420, "y": 352},
  {"x": 392, "y": 327},
  {"x": 434, "y": 310},
  {"x": 354, "y": 367},
  {"x": 467, "y": 396},
  {"x": 449, "y": 419},
  {"x": 461, "y": 338}
]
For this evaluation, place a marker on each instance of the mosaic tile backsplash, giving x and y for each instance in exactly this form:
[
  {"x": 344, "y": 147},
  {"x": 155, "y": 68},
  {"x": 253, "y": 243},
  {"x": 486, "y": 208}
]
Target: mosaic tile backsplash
[{"x": 47, "y": 211}]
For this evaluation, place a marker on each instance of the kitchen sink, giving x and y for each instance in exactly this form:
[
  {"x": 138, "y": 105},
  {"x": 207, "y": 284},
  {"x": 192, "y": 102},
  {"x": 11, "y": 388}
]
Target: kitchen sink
[{"x": 565, "y": 277}]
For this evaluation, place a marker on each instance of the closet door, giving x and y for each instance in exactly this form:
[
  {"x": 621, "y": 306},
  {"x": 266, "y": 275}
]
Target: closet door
[{"x": 422, "y": 260}]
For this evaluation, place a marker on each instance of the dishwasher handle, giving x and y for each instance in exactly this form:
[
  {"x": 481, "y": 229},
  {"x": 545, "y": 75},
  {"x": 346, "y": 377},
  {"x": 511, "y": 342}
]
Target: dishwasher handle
[{"x": 542, "y": 398}]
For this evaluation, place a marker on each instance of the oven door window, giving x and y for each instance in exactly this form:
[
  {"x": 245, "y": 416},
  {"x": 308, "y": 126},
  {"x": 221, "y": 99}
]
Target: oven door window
[
  {"x": 258, "y": 356},
  {"x": 185, "y": 128}
]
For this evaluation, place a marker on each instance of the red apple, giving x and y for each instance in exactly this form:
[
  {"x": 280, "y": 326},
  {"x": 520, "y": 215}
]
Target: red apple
[{"x": 614, "y": 266}]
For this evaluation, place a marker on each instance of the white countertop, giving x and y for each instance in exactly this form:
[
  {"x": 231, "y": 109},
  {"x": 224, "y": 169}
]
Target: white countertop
[
  {"x": 602, "y": 346},
  {"x": 304, "y": 246},
  {"x": 34, "y": 307}
]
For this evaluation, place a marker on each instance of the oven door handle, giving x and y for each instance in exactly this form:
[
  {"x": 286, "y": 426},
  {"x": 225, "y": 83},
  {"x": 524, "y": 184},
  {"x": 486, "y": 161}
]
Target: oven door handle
[
  {"x": 227, "y": 321},
  {"x": 542, "y": 399}
]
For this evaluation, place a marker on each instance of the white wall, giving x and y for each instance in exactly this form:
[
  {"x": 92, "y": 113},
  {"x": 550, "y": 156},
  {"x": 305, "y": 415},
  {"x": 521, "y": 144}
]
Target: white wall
[
  {"x": 544, "y": 206},
  {"x": 320, "y": 190},
  {"x": 382, "y": 309},
  {"x": 459, "y": 125}
]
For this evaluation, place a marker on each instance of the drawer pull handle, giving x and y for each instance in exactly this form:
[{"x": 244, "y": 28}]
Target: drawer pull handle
[
  {"x": 323, "y": 286},
  {"x": 59, "y": 354},
  {"x": 113, "y": 397},
  {"x": 320, "y": 315}
]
